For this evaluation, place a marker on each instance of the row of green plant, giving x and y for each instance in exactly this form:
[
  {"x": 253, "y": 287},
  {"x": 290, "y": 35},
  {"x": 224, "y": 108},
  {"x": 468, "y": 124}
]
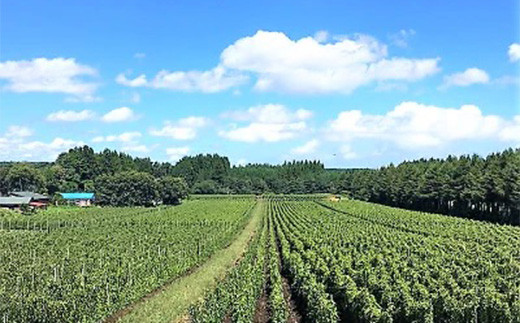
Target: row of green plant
[
  {"x": 236, "y": 296},
  {"x": 377, "y": 268},
  {"x": 105, "y": 259}
]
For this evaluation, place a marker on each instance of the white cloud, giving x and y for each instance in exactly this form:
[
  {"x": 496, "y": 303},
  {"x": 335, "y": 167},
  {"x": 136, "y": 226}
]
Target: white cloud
[
  {"x": 308, "y": 148},
  {"x": 18, "y": 132},
  {"x": 241, "y": 162},
  {"x": 136, "y": 98},
  {"x": 71, "y": 115},
  {"x": 268, "y": 123},
  {"x": 57, "y": 75},
  {"x": 176, "y": 153},
  {"x": 135, "y": 148},
  {"x": 124, "y": 137},
  {"x": 401, "y": 38},
  {"x": 511, "y": 132},
  {"x": 211, "y": 81},
  {"x": 466, "y": 78},
  {"x": 347, "y": 152},
  {"x": 215, "y": 80},
  {"x": 514, "y": 52},
  {"x": 183, "y": 129},
  {"x": 35, "y": 150},
  {"x": 413, "y": 125},
  {"x": 138, "y": 81},
  {"x": 139, "y": 55},
  {"x": 390, "y": 87},
  {"x": 321, "y": 36},
  {"x": 307, "y": 65},
  {"x": 119, "y": 115}
]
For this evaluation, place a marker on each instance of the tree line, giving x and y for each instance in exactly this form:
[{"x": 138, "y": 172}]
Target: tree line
[{"x": 469, "y": 186}]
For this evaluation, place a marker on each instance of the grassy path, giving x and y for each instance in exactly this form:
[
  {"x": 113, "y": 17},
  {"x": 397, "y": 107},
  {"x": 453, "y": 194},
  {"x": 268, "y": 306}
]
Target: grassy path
[{"x": 170, "y": 304}]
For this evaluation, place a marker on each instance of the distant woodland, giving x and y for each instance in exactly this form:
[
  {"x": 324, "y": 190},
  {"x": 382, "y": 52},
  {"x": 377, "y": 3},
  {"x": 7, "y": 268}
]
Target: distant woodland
[{"x": 483, "y": 188}]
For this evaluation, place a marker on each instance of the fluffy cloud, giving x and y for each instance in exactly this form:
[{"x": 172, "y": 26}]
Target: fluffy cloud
[
  {"x": 307, "y": 148},
  {"x": 400, "y": 39},
  {"x": 512, "y": 131},
  {"x": 138, "y": 81},
  {"x": 347, "y": 152},
  {"x": 514, "y": 52},
  {"x": 21, "y": 149},
  {"x": 307, "y": 65},
  {"x": 71, "y": 115},
  {"x": 268, "y": 123},
  {"x": 57, "y": 75},
  {"x": 466, "y": 78},
  {"x": 413, "y": 125},
  {"x": 124, "y": 137},
  {"x": 183, "y": 129},
  {"x": 176, "y": 153},
  {"x": 135, "y": 148},
  {"x": 119, "y": 115},
  {"x": 321, "y": 36},
  {"x": 18, "y": 132},
  {"x": 214, "y": 80}
]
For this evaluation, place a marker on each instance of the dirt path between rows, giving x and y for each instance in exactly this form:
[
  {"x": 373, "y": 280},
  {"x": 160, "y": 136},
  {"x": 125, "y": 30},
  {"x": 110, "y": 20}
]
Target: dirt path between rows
[{"x": 170, "y": 302}]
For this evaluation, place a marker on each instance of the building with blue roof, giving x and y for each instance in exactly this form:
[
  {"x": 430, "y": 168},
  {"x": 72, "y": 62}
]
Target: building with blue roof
[{"x": 79, "y": 198}]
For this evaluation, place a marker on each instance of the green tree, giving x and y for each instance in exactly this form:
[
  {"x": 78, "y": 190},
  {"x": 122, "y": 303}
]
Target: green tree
[
  {"x": 172, "y": 189},
  {"x": 127, "y": 189},
  {"x": 24, "y": 177}
]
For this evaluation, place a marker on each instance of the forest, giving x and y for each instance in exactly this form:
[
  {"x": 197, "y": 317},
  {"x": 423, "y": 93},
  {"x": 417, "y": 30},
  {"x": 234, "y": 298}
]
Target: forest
[{"x": 483, "y": 188}]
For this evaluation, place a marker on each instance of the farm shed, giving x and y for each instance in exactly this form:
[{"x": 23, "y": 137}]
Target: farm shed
[
  {"x": 80, "y": 199},
  {"x": 14, "y": 202},
  {"x": 36, "y": 197}
]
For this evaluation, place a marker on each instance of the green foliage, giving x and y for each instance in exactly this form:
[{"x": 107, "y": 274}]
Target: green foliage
[
  {"x": 81, "y": 265},
  {"x": 381, "y": 264},
  {"x": 172, "y": 189},
  {"x": 127, "y": 189},
  {"x": 24, "y": 177},
  {"x": 236, "y": 296},
  {"x": 469, "y": 186}
]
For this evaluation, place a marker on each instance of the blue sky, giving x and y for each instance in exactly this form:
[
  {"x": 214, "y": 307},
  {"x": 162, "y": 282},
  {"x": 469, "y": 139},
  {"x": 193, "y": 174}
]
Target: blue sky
[{"x": 352, "y": 83}]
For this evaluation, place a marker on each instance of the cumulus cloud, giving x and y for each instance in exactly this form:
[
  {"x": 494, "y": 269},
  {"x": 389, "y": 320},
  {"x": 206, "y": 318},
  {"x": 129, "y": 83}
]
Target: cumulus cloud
[
  {"x": 241, "y": 162},
  {"x": 307, "y": 65},
  {"x": 119, "y": 115},
  {"x": 124, "y": 137},
  {"x": 57, "y": 75},
  {"x": 71, "y": 115},
  {"x": 401, "y": 38},
  {"x": 211, "y": 81},
  {"x": 18, "y": 132},
  {"x": 514, "y": 52},
  {"x": 468, "y": 77},
  {"x": 135, "y": 148},
  {"x": 270, "y": 123},
  {"x": 511, "y": 132},
  {"x": 347, "y": 152},
  {"x": 176, "y": 153},
  {"x": 183, "y": 129},
  {"x": 136, "y": 82},
  {"x": 413, "y": 125},
  {"x": 307, "y": 148},
  {"x": 321, "y": 36},
  {"x": 35, "y": 150}
]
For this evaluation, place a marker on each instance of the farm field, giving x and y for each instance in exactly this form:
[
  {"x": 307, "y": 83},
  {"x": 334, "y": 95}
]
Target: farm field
[{"x": 266, "y": 259}]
